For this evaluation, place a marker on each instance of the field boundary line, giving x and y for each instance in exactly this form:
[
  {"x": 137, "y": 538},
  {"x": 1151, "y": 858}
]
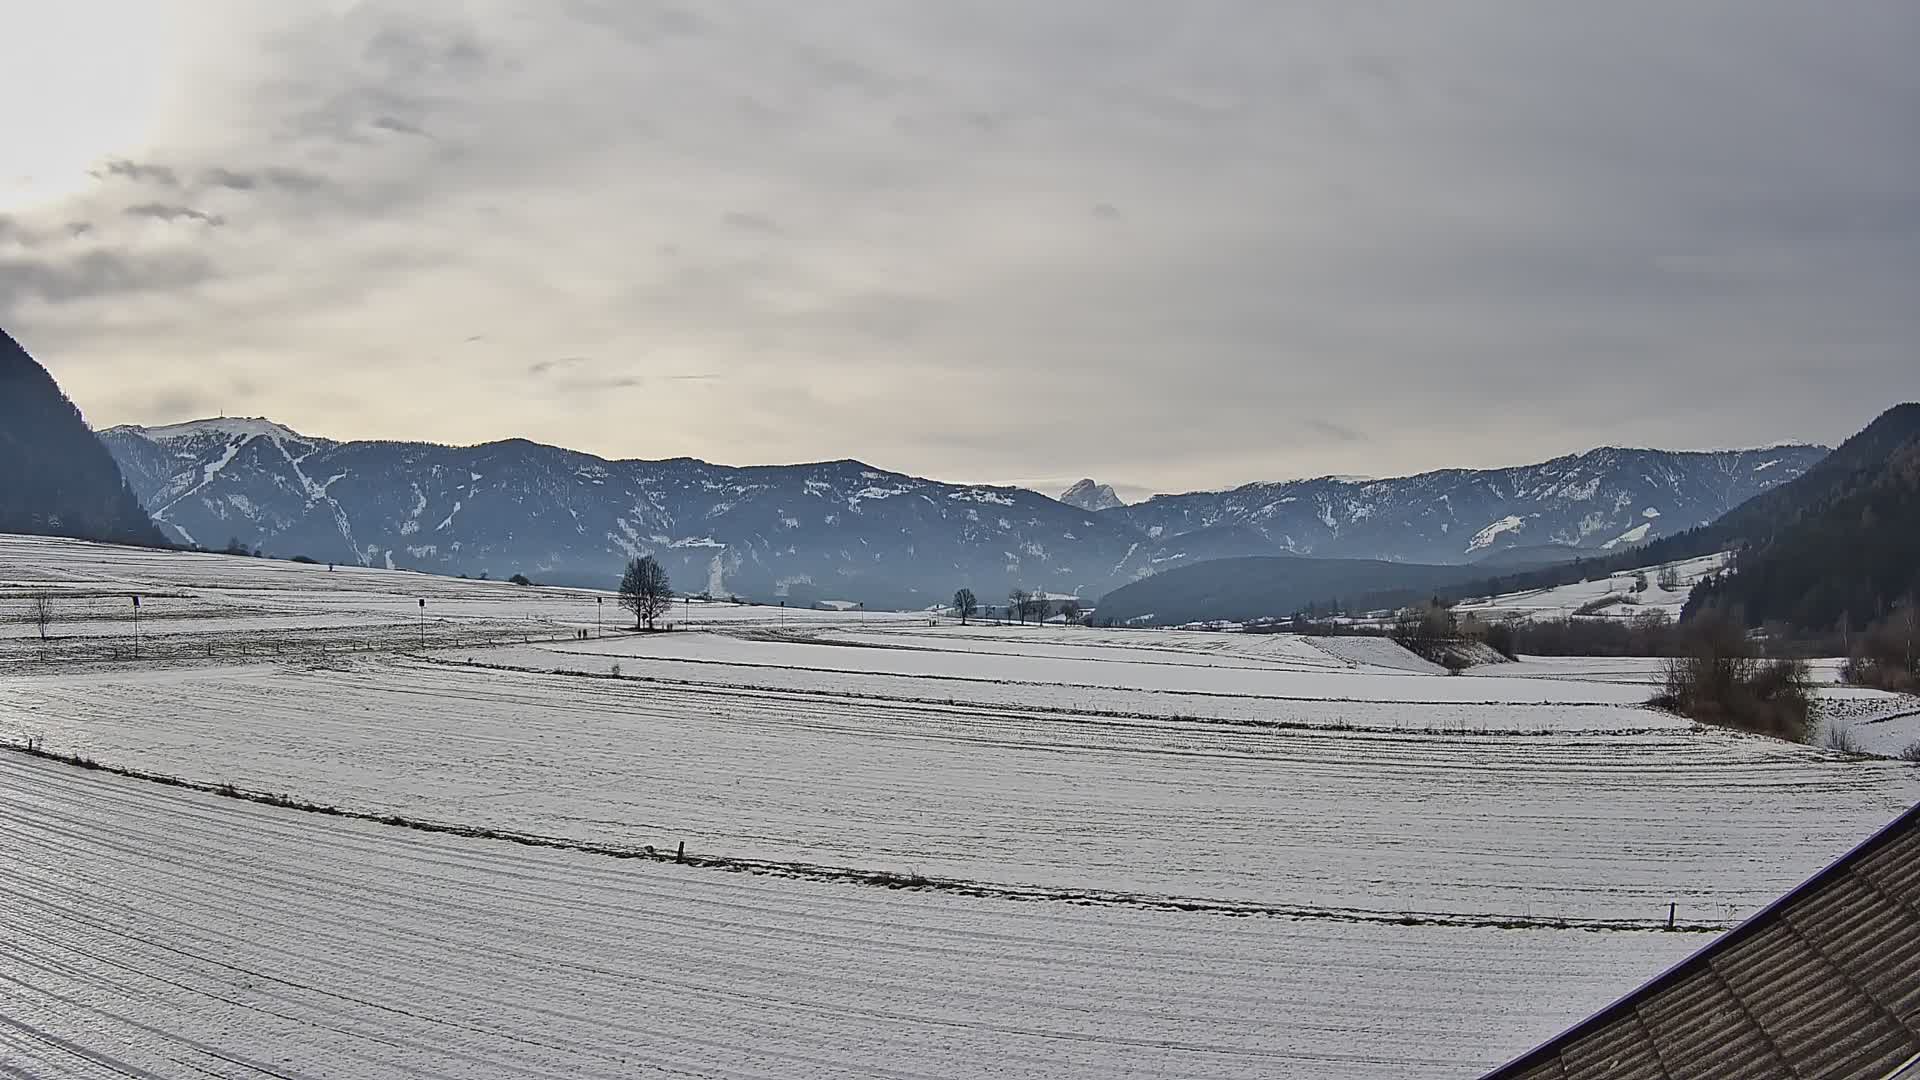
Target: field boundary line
[{"x": 1109, "y": 714}]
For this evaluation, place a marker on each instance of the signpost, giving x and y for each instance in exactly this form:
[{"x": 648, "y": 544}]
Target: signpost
[
  {"x": 599, "y": 606},
  {"x": 423, "y": 622},
  {"x": 136, "y": 626}
]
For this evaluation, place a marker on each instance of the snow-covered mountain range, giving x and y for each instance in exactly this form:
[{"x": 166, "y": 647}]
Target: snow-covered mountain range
[
  {"x": 845, "y": 530},
  {"x": 1603, "y": 499}
]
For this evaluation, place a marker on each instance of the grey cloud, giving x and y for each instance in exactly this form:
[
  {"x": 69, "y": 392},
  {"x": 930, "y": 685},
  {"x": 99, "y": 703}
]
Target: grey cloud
[
  {"x": 398, "y": 126},
  {"x": 285, "y": 179},
  {"x": 138, "y": 172},
  {"x": 227, "y": 178},
  {"x": 639, "y": 23},
  {"x": 542, "y": 367},
  {"x": 12, "y": 231},
  {"x": 751, "y": 222},
  {"x": 1342, "y": 237},
  {"x": 95, "y": 275},
  {"x": 170, "y": 213},
  {"x": 77, "y": 229},
  {"x": 574, "y": 375},
  {"x": 179, "y": 403},
  {"x": 1330, "y": 430}
]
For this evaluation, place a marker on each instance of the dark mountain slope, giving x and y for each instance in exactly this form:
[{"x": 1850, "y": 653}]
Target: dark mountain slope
[
  {"x": 56, "y": 479},
  {"x": 1853, "y": 556}
]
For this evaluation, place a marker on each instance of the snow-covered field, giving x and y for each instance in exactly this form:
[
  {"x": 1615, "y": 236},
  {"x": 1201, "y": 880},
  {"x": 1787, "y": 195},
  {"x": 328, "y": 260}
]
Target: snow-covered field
[
  {"x": 151, "y": 932},
  {"x": 223, "y": 607},
  {"x": 1131, "y": 852},
  {"x": 1566, "y": 600}
]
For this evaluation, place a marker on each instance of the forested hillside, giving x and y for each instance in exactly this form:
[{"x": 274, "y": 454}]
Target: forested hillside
[
  {"x": 56, "y": 479},
  {"x": 1847, "y": 562}
]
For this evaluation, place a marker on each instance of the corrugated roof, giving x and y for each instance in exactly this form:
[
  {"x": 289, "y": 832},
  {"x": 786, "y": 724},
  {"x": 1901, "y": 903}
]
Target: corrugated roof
[{"x": 1824, "y": 983}]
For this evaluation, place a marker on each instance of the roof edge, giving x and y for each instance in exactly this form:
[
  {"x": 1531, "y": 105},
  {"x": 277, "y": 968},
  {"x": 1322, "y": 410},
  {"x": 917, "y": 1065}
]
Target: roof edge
[{"x": 1747, "y": 928}]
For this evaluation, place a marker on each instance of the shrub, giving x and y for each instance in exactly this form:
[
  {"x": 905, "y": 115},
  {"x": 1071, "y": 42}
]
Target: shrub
[
  {"x": 1840, "y": 738},
  {"x": 1602, "y": 603},
  {"x": 1911, "y": 753},
  {"x": 520, "y": 579},
  {"x": 1717, "y": 680},
  {"x": 1885, "y": 656},
  {"x": 1504, "y": 638},
  {"x": 303, "y": 559}
]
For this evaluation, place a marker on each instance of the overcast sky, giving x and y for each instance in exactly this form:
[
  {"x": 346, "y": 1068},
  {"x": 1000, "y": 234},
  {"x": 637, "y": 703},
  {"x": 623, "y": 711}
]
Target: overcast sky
[{"x": 1171, "y": 246}]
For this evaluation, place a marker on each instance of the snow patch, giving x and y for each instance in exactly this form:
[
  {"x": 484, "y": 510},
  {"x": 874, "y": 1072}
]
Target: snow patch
[
  {"x": 1485, "y": 537},
  {"x": 1631, "y": 536}
]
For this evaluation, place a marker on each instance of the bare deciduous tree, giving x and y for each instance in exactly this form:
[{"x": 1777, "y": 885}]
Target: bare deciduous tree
[
  {"x": 1070, "y": 610},
  {"x": 645, "y": 591},
  {"x": 965, "y": 604},
  {"x": 42, "y": 613},
  {"x": 1019, "y": 602}
]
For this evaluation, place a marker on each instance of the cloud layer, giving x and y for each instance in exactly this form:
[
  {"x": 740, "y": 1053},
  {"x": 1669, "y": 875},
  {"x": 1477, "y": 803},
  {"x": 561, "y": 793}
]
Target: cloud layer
[{"x": 1171, "y": 246}]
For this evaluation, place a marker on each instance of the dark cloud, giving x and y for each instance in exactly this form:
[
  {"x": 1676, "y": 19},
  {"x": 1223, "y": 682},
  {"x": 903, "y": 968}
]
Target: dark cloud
[{"x": 170, "y": 213}]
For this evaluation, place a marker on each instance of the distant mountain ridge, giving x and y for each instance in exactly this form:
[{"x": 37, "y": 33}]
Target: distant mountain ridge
[
  {"x": 1603, "y": 499},
  {"x": 1087, "y": 495},
  {"x": 56, "y": 479},
  {"x": 835, "y": 530}
]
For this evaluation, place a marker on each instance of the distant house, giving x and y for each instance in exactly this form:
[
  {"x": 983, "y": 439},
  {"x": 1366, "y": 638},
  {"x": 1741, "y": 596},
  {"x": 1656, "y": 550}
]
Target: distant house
[{"x": 1824, "y": 983}]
